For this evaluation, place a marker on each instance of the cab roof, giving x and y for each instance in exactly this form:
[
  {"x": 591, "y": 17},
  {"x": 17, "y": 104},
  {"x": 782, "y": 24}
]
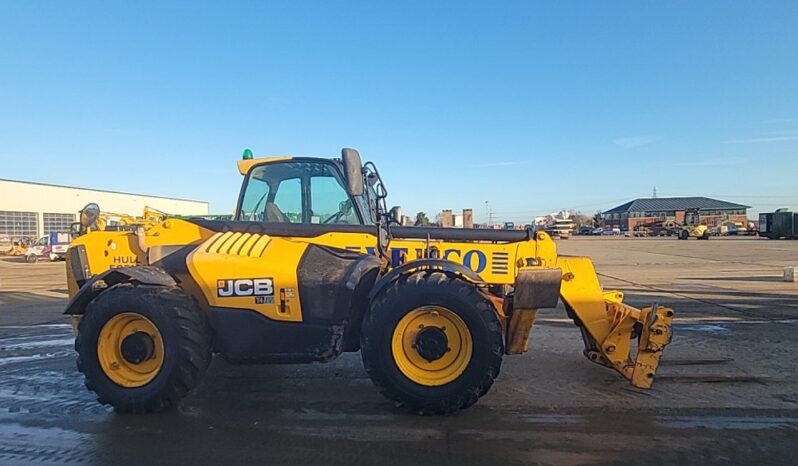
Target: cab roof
[{"x": 246, "y": 164}]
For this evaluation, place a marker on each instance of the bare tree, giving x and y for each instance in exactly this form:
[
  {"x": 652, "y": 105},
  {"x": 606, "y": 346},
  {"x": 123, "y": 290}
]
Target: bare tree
[
  {"x": 422, "y": 220},
  {"x": 597, "y": 218}
]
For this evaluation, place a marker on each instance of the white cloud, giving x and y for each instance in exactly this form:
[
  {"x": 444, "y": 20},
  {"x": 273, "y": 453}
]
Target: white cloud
[{"x": 634, "y": 141}]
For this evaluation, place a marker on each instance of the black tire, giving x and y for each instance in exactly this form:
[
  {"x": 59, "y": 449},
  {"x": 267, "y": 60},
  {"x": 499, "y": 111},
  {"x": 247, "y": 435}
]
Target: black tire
[
  {"x": 683, "y": 235},
  {"x": 705, "y": 236},
  {"x": 31, "y": 258},
  {"x": 186, "y": 338},
  {"x": 455, "y": 294}
]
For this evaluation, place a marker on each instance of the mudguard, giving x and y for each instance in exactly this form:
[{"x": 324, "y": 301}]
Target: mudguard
[
  {"x": 146, "y": 275},
  {"x": 441, "y": 264}
]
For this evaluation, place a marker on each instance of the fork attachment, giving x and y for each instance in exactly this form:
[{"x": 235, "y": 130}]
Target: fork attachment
[{"x": 609, "y": 326}]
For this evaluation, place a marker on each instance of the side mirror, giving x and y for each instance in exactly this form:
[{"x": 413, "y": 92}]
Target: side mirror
[
  {"x": 353, "y": 171},
  {"x": 89, "y": 214},
  {"x": 395, "y": 215}
]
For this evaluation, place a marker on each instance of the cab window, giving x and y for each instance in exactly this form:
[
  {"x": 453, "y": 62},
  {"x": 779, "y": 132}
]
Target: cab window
[
  {"x": 252, "y": 203},
  {"x": 287, "y": 202},
  {"x": 297, "y": 192},
  {"x": 329, "y": 202}
]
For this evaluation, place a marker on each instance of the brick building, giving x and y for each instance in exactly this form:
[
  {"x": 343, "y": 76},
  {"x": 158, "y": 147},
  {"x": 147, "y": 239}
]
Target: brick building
[
  {"x": 671, "y": 209},
  {"x": 448, "y": 219}
]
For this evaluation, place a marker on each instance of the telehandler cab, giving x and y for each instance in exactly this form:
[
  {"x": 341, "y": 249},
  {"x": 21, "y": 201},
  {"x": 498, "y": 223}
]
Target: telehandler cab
[{"x": 311, "y": 266}]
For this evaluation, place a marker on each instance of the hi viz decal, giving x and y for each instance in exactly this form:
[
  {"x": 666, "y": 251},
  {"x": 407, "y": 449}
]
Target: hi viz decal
[{"x": 261, "y": 288}]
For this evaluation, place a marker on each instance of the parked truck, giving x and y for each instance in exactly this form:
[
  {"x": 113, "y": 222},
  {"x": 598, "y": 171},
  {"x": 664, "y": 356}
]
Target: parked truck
[
  {"x": 781, "y": 224},
  {"x": 52, "y": 246}
]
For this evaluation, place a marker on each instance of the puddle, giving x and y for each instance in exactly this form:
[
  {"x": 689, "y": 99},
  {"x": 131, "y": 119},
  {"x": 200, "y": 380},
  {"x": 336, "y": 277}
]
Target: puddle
[
  {"x": 36, "y": 326},
  {"x": 708, "y": 328},
  {"x": 35, "y": 357},
  {"x": 39, "y": 344}
]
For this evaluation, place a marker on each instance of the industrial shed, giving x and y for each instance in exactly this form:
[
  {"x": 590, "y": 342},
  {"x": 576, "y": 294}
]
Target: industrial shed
[{"x": 30, "y": 210}]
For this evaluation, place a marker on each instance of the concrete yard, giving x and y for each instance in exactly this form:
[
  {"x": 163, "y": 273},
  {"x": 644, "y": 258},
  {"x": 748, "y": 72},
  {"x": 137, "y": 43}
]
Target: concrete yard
[{"x": 727, "y": 390}]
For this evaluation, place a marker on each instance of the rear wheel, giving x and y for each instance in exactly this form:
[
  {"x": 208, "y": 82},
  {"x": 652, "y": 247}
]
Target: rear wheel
[
  {"x": 683, "y": 234},
  {"x": 31, "y": 258},
  {"x": 142, "y": 348},
  {"x": 432, "y": 343}
]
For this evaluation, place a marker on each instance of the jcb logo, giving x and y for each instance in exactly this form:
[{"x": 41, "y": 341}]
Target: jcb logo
[{"x": 244, "y": 287}]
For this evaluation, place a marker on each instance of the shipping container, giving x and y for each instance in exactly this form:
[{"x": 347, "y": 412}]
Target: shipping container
[{"x": 779, "y": 224}]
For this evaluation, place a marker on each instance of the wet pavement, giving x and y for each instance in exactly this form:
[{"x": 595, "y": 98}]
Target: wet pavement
[{"x": 727, "y": 391}]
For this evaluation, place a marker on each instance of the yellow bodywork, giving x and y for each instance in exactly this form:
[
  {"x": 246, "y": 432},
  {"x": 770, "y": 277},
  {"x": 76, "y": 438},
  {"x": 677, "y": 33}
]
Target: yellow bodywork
[
  {"x": 695, "y": 231},
  {"x": 608, "y": 323},
  {"x": 228, "y": 256},
  {"x": 245, "y": 165},
  {"x": 16, "y": 249},
  {"x": 222, "y": 260}
]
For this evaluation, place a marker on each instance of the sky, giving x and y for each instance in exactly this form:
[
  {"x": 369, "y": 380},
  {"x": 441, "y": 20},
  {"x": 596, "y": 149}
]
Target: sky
[{"x": 530, "y": 106}]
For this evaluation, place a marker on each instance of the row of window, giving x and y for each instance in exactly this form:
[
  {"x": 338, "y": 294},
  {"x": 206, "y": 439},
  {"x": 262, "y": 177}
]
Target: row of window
[
  {"x": 57, "y": 222},
  {"x": 26, "y": 224},
  {"x": 671, "y": 213}
]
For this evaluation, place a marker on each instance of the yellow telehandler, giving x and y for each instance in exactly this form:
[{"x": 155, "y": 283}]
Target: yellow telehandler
[
  {"x": 313, "y": 265},
  {"x": 693, "y": 226}
]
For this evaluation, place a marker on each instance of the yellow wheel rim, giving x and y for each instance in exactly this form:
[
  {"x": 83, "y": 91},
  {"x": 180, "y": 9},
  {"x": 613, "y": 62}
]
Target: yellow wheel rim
[
  {"x": 444, "y": 368},
  {"x": 116, "y": 363}
]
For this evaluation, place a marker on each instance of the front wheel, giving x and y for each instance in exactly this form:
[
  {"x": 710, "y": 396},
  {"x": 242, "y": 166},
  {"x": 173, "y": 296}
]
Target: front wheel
[
  {"x": 142, "y": 348},
  {"x": 432, "y": 343}
]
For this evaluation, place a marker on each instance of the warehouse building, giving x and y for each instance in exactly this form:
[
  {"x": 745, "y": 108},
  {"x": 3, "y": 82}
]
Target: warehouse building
[
  {"x": 671, "y": 209},
  {"x": 30, "y": 210}
]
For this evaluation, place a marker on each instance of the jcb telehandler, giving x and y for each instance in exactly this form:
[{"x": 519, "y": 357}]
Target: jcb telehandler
[
  {"x": 693, "y": 226},
  {"x": 311, "y": 266}
]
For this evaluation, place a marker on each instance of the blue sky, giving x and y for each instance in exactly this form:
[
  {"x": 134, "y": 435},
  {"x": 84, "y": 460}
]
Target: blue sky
[{"x": 532, "y": 106}]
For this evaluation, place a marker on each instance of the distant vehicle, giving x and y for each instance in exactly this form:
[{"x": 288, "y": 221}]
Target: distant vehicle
[
  {"x": 611, "y": 231},
  {"x": 779, "y": 224},
  {"x": 53, "y": 246},
  {"x": 583, "y": 230},
  {"x": 694, "y": 226},
  {"x": 509, "y": 226},
  {"x": 597, "y": 231}
]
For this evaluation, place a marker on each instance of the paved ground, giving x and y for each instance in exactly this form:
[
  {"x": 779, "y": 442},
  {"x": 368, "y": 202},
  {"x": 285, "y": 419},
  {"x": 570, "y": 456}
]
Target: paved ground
[{"x": 727, "y": 390}]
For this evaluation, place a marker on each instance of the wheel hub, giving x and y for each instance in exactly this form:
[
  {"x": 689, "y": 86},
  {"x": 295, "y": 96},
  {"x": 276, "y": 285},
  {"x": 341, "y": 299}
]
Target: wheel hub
[
  {"x": 138, "y": 347},
  {"x": 431, "y": 343},
  {"x": 130, "y": 349}
]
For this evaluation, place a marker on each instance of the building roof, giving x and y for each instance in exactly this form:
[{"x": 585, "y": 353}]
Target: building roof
[
  {"x": 103, "y": 190},
  {"x": 660, "y": 204}
]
